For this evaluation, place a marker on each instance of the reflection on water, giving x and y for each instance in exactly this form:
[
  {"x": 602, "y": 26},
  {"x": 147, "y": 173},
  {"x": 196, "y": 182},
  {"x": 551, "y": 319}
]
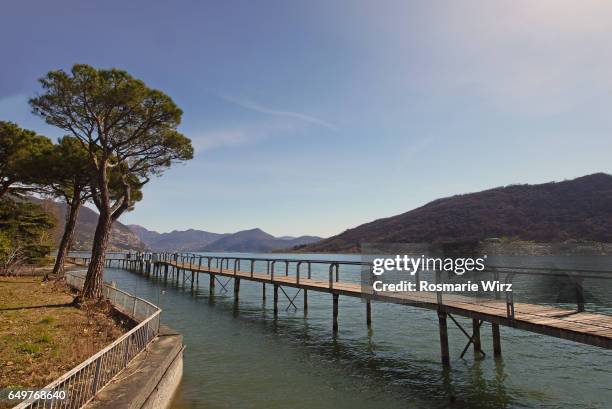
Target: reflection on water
[{"x": 239, "y": 356}]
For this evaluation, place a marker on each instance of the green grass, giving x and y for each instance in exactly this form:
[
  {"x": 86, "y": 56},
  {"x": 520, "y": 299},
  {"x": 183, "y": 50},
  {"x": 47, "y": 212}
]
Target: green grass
[
  {"x": 47, "y": 320},
  {"x": 40, "y": 340},
  {"x": 28, "y": 348}
]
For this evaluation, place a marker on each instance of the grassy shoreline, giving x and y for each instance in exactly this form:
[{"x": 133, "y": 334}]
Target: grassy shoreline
[{"x": 43, "y": 335}]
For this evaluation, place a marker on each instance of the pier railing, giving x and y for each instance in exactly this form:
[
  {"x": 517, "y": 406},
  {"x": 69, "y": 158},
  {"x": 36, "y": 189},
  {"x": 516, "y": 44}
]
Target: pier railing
[
  {"x": 572, "y": 282},
  {"x": 301, "y": 268},
  {"x": 549, "y": 296},
  {"x": 78, "y": 386}
]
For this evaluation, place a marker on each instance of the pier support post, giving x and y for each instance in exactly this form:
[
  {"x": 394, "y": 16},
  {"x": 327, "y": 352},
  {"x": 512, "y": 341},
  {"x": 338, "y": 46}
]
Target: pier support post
[
  {"x": 335, "y": 313},
  {"x": 263, "y": 292},
  {"x": 305, "y": 301},
  {"x": 211, "y": 286},
  {"x": 275, "y": 300},
  {"x": 369, "y": 313},
  {"x": 236, "y": 288},
  {"x": 444, "y": 351},
  {"x": 476, "y": 335},
  {"x": 497, "y": 352}
]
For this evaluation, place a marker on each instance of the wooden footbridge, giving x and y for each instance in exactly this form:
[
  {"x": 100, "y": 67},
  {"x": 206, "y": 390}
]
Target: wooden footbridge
[{"x": 571, "y": 324}]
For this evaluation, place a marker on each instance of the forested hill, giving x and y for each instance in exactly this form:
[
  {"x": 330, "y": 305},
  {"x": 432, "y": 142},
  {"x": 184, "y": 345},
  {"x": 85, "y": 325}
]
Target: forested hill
[
  {"x": 578, "y": 209},
  {"x": 121, "y": 237}
]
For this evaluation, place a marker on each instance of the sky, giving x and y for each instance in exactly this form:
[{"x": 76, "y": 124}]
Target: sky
[{"x": 311, "y": 117}]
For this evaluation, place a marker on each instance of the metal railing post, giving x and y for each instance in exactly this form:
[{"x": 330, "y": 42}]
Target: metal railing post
[{"x": 297, "y": 272}]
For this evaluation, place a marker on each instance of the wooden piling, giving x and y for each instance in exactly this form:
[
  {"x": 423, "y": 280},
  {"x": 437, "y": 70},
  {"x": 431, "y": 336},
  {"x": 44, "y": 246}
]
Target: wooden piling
[
  {"x": 476, "y": 335},
  {"x": 275, "y": 299},
  {"x": 369, "y": 313},
  {"x": 497, "y": 352},
  {"x": 211, "y": 286},
  {"x": 305, "y": 301},
  {"x": 236, "y": 288},
  {"x": 335, "y": 312},
  {"x": 444, "y": 351},
  {"x": 263, "y": 291}
]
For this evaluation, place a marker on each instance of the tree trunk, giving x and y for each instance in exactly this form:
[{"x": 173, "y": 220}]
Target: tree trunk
[
  {"x": 4, "y": 188},
  {"x": 95, "y": 271},
  {"x": 64, "y": 247}
]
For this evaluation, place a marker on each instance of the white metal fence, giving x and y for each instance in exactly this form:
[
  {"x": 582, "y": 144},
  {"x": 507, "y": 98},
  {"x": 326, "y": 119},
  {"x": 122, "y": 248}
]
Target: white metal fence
[{"x": 78, "y": 386}]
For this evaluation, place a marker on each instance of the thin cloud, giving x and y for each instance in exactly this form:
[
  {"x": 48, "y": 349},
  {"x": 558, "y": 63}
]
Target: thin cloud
[
  {"x": 248, "y": 134},
  {"x": 253, "y": 106},
  {"x": 223, "y": 138}
]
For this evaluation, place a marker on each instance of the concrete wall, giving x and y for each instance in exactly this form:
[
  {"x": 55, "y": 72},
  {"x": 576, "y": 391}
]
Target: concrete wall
[
  {"x": 161, "y": 396},
  {"x": 151, "y": 379}
]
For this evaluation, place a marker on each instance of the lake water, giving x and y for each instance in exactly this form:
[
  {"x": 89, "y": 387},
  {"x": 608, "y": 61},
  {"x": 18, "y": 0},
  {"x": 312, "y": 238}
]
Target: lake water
[{"x": 240, "y": 356}]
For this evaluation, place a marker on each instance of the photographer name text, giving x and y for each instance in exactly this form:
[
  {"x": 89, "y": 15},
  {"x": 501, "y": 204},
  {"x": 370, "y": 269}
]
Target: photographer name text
[{"x": 412, "y": 265}]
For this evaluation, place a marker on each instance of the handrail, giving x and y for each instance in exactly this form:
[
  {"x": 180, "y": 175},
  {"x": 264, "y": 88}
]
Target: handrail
[
  {"x": 551, "y": 271},
  {"x": 516, "y": 269},
  {"x": 334, "y": 273}
]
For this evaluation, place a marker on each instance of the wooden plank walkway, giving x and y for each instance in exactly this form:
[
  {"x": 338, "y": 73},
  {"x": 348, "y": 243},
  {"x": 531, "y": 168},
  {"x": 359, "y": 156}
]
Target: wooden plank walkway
[
  {"x": 575, "y": 325},
  {"x": 584, "y": 327}
]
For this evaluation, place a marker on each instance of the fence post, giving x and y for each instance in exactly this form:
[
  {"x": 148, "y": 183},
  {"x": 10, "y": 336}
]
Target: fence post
[
  {"x": 127, "y": 351},
  {"x": 94, "y": 386}
]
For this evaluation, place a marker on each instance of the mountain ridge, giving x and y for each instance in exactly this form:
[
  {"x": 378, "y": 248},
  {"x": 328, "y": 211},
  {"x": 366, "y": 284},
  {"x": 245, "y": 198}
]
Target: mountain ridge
[
  {"x": 176, "y": 240},
  {"x": 251, "y": 240},
  {"x": 577, "y": 209}
]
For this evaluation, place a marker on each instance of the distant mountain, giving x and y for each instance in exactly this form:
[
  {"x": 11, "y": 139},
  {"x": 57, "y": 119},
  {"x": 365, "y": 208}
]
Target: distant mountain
[
  {"x": 578, "y": 209},
  {"x": 254, "y": 240},
  {"x": 246, "y": 240},
  {"x": 122, "y": 238},
  {"x": 147, "y": 236},
  {"x": 187, "y": 240},
  {"x": 303, "y": 240}
]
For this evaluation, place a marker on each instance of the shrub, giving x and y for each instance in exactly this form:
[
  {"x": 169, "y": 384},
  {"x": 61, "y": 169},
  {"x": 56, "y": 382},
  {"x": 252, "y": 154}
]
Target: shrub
[{"x": 28, "y": 348}]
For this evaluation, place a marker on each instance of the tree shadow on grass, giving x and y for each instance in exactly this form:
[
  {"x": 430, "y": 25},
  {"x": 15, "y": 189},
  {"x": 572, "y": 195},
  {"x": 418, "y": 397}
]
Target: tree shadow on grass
[{"x": 38, "y": 306}]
